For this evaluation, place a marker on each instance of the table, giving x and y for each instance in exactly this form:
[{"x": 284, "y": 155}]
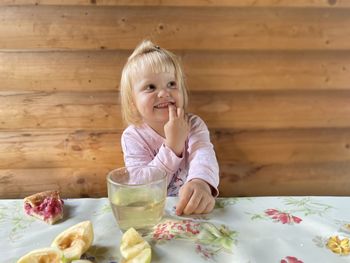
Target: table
[{"x": 257, "y": 229}]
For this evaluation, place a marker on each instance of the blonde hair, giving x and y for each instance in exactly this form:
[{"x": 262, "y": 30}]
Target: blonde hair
[{"x": 147, "y": 55}]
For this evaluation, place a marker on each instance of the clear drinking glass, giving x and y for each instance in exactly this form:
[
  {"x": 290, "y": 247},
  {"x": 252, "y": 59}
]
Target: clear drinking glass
[{"x": 137, "y": 196}]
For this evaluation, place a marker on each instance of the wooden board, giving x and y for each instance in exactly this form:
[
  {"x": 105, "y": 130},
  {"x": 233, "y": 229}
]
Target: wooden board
[
  {"x": 92, "y": 148},
  {"x": 273, "y": 110},
  {"x": 205, "y": 71},
  {"x": 227, "y": 3},
  {"x": 59, "y": 148},
  {"x": 296, "y": 162},
  {"x": 72, "y": 182},
  {"x": 202, "y": 28},
  {"x": 291, "y": 179},
  {"x": 42, "y": 110},
  {"x": 241, "y": 110},
  {"x": 281, "y": 147},
  {"x": 270, "y": 79},
  {"x": 64, "y": 148}
]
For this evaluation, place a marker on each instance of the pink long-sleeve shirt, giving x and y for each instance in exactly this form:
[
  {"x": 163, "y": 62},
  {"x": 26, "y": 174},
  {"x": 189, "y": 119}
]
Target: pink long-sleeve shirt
[{"x": 143, "y": 146}]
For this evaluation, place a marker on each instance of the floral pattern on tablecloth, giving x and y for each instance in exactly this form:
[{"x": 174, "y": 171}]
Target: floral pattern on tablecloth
[
  {"x": 339, "y": 243},
  {"x": 224, "y": 202},
  {"x": 245, "y": 230},
  {"x": 290, "y": 259},
  {"x": 17, "y": 220},
  {"x": 305, "y": 206},
  {"x": 207, "y": 238},
  {"x": 283, "y": 217}
]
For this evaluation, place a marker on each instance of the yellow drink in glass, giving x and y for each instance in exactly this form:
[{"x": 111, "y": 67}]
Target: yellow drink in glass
[{"x": 137, "y": 196}]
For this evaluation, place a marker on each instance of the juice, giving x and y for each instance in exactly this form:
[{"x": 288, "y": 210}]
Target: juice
[
  {"x": 138, "y": 208},
  {"x": 139, "y": 215}
]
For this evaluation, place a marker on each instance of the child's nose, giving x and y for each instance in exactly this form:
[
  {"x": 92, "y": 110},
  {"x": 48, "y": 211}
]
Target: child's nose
[{"x": 163, "y": 93}]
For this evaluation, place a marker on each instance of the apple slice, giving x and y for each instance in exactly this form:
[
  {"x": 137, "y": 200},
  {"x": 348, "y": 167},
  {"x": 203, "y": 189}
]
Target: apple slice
[
  {"x": 43, "y": 255},
  {"x": 134, "y": 248},
  {"x": 75, "y": 241}
]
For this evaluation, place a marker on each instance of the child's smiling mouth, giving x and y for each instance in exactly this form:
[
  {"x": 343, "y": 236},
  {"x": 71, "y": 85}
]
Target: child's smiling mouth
[{"x": 164, "y": 105}]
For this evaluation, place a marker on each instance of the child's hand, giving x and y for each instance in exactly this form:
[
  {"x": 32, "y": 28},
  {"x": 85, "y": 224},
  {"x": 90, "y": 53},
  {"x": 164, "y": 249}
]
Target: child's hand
[
  {"x": 195, "y": 198},
  {"x": 176, "y": 130}
]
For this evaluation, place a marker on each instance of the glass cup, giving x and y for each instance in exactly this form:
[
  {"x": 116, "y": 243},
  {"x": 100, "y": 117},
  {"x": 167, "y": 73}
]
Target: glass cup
[{"x": 137, "y": 196}]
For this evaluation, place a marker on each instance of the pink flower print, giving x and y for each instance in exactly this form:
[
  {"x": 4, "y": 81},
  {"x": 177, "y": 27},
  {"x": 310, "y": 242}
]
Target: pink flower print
[
  {"x": 290, "y": 259},
  {"x": 172, "y": 229},
  {"x": 284, "y": 218},
  {"x": 296, "y": 219},
  {"x": 271, "y": 212},
  {"x": 204, "y": 252}
]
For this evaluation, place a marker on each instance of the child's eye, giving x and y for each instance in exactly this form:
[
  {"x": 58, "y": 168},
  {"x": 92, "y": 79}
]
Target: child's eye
[
  {"x": 150, "y": 87},
  {"x": 171, "y": 84}
]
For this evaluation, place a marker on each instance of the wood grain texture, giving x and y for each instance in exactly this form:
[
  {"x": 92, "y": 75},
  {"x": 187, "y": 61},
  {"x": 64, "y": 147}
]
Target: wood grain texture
[
  {"x": 294, "y": 162},
  {"x": 291, "y": 179},
  {"x": 91, "y": 28},
  {"x": 273, "y": 110},
  {"x": 281, "y": 147},
  {"x": 205, "y": 71},
  {"x": 61, "y": 71},
  {"x": 226, "y": 3},
  {"x": 60, "y": 148},
  {"x": 72, "y": 182},
  {"x": 42, "y": 110},
  {"x": 240, "y": 110},
  {"x": 236, "y": 180},
  {"x": 267, "y": 70},
  {"x": 93, "y": 148},
  {"x": 270, "y": 79}
]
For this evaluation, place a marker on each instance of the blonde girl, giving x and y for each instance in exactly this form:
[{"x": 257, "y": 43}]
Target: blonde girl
[{"x": 161, "y": 133}]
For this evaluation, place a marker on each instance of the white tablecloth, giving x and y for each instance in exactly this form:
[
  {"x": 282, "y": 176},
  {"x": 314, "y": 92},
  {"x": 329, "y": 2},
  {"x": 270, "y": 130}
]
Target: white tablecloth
[{"x": 261, "y": 229}]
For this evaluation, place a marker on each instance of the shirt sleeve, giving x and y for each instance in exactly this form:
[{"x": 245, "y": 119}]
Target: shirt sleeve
[
  {"x": 202, "y": 159},
  {"x": 138, "y": 152}
]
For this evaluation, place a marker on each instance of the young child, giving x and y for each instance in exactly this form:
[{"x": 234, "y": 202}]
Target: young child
[{"x": 161, "y": 133}]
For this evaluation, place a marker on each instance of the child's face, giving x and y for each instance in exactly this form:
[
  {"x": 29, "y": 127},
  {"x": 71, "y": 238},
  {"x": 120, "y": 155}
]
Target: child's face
[{"x": 153, "y": 92}]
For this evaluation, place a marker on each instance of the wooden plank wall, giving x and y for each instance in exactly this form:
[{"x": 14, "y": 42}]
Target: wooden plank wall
[{"x": 270, "y": 78}]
